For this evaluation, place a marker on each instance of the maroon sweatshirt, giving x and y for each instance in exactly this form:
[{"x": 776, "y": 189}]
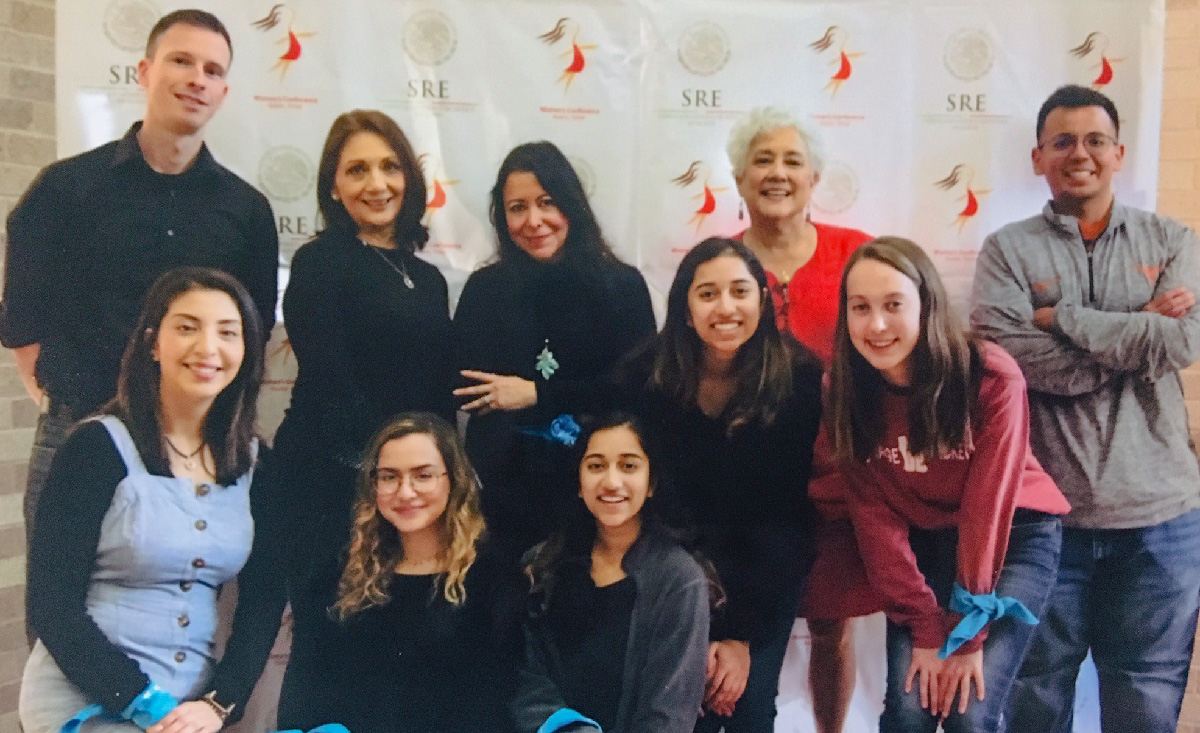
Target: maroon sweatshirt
[{"x": 975, "y": 490}]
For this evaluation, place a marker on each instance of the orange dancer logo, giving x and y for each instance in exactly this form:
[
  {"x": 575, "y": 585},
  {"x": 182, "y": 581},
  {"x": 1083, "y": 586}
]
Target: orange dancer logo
[
  {"x": 292, "y": 41},
  {"x": 708, "y": 202},
  {"x": 963, "y": 176},
  {"x": 437, "y": 186},
  {"x": 578, "y": 60},
  {"x": 836, "y": 36},
  {"x": 1097, "y": 41},
  {"x": 1150, "y": 272}
]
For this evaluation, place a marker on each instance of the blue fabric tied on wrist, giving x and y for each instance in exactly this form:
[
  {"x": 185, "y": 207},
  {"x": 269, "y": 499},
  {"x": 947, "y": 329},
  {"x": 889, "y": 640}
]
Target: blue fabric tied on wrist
[
  {"x": 563, "y": 429},
  {"x": 564, "y": 717},
  {"x": 149, "y": 707},
  {"x": 978, "y": 611}
]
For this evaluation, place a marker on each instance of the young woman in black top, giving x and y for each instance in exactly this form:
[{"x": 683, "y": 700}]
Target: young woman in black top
[
  {"x": 535, "y": 335},
  {"x": 425, "y": 633},
  {"x": 369, "y": 323},
  {"x": 739, "y": 406},
  {"x": 617, "y": 637}
]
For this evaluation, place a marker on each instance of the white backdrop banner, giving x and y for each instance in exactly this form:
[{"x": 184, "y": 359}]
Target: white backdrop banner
[{"x": 926, "y": 107}]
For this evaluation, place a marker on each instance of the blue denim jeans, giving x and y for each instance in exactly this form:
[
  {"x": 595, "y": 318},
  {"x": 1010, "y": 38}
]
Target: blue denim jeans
[
  {"x": 1131, "y": 596},
  {"x": 1028, "y": 575}
]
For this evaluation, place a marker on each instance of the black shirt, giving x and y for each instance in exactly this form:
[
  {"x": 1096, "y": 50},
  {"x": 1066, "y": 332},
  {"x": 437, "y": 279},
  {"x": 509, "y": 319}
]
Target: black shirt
[
  {"x": 367, "y": 345},
  {"x": 592, "y": 637},
  {"x": 414, "y": 664},
  {"x": 93, "y": 233},
  {"x": 747, "y": 494},
  {"x": 588, "y": 317}
]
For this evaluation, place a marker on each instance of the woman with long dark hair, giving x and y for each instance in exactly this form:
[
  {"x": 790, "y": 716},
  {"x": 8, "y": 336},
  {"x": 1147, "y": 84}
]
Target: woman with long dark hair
[
  {"x": 739, "y": 406},
  {"x": 425, "y": 620},
  {"x": 617, "y": 635},
  {"x": 957, "y": 523},
  {"x": 147, "y": 513},
  {"x": 536, "y": 334},
  {"x": 369, "y": 323}
]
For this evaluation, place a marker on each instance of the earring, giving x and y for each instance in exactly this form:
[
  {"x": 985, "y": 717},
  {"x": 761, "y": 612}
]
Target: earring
[{"x": 741, "y": 209}]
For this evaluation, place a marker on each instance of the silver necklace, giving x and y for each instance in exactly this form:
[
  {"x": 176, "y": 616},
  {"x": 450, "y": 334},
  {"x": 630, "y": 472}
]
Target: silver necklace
[{"x": 402, "y": 271}]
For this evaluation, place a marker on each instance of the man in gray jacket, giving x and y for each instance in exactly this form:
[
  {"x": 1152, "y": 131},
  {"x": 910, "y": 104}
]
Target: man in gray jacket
[{"x": 1095, "y": 301}]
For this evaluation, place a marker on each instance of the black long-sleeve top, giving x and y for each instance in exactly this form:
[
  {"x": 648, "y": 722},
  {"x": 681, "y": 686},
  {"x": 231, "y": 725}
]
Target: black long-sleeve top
[
  {"x": 415, "y": 664},
  {"x": 92, "y": 234},
  {"x": 79, "y": 492},
  {"x": 367, "y": 346},
  {"x": 588, "y": 318},
  {"x": 745, "y": 493}
]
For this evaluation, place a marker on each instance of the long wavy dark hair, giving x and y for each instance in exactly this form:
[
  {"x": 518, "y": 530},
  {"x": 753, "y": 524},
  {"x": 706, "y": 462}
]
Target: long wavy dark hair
[
  {"x": 408, "y": 232},
  {"x": 585, "y": 243},
  {"x": 229, "y": 425},
  {"x": 576, "y": 534},
  {"x": 763, "y": 364},
  {"x": 946, "y": 367}
]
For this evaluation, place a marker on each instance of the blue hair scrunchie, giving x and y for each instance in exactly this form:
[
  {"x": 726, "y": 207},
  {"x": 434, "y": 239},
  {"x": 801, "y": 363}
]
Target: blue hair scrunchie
[
  {"x": 150, "y": 706},
  {"x": 564, "y": 717},
  {"x": 563, "y": 430},
  {"x": 978, "y": 611}
]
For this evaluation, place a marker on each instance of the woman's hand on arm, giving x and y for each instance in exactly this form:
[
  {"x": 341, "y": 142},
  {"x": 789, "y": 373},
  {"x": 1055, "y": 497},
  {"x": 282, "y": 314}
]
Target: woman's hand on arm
[
  {"x": 958, "y": 670},
  {"x": 497, "y": 392},
  {"x": 728, "y": 672},
  {"x": 196, "y": 716},
  {"x": 925, "y": 669}
]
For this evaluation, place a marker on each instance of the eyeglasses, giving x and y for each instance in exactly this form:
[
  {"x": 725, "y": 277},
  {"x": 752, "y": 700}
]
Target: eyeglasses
[
  {"x": 1096, "y": 143},
  {"x": 423, "y": 480}
]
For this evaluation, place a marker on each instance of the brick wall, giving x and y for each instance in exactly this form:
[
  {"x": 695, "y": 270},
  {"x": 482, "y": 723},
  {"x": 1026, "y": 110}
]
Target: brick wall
[
  {"x": 1179, "y": 196},
  {"x": 27, "y": 142}
]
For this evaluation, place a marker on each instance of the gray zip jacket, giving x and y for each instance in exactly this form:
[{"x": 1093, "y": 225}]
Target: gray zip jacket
[
  {"x": 1107, "y": 413},
  {"x": 666, "y": 658}
]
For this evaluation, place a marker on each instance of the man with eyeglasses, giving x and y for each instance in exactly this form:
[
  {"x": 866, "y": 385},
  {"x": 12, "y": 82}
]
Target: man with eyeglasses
[{"x": 1095, "y": 301}]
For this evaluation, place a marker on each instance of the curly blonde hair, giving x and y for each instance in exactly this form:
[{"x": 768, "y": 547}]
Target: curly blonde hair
[{"x": 375, "y": 548}]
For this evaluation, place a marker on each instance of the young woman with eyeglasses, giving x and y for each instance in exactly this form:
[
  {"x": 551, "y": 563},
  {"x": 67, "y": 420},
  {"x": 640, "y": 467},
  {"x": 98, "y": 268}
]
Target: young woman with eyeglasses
[{"x": 425, "y": 618}]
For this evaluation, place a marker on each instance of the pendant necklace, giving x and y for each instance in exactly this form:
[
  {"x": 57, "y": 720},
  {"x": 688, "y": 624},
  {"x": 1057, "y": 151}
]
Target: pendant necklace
[
  {"x": 189, "y": 459},
  {"x": 546, "y": 364},
  {"x": 402, "y": 271}
]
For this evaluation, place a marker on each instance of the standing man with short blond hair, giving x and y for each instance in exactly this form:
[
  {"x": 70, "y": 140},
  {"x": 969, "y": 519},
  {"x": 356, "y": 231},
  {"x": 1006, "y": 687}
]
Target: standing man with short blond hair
[
  {"x": 94, "y": 231},
  {"x": 1096, "y": 302}
]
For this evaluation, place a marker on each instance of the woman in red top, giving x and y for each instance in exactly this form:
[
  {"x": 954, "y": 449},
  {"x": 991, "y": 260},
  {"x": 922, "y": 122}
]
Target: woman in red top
[
  {"x": 956, "y": 521},
  {"x": 777, "y": 163}
]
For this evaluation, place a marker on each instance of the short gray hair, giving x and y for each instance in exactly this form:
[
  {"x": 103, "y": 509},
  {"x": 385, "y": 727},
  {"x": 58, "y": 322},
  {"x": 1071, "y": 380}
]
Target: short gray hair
[{"x": 764, "y": 119}]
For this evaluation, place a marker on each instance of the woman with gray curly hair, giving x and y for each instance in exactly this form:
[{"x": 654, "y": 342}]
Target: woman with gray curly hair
[{"x": 777, "y": 162}]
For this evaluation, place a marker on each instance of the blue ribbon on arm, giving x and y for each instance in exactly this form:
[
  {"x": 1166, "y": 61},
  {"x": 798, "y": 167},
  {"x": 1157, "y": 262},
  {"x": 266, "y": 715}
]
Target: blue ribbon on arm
[
  {"x": 150, "y": 706},
  {"x": 978, "y": 611},
  {"x": 563, "y": 429},
  {"x": 564, "y": 717}
]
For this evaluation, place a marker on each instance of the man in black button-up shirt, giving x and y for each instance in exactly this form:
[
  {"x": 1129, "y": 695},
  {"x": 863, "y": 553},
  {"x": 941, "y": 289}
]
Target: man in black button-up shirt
[{"x": 93, "y": 232}]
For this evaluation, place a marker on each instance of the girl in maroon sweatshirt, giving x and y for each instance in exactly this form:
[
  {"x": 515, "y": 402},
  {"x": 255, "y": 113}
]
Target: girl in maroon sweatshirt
[{"x": 957, "y": 523}]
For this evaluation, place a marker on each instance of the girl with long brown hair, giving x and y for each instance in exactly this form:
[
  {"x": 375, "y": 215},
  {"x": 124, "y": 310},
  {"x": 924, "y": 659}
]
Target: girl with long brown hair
[{"x": 957, "y": 523}]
